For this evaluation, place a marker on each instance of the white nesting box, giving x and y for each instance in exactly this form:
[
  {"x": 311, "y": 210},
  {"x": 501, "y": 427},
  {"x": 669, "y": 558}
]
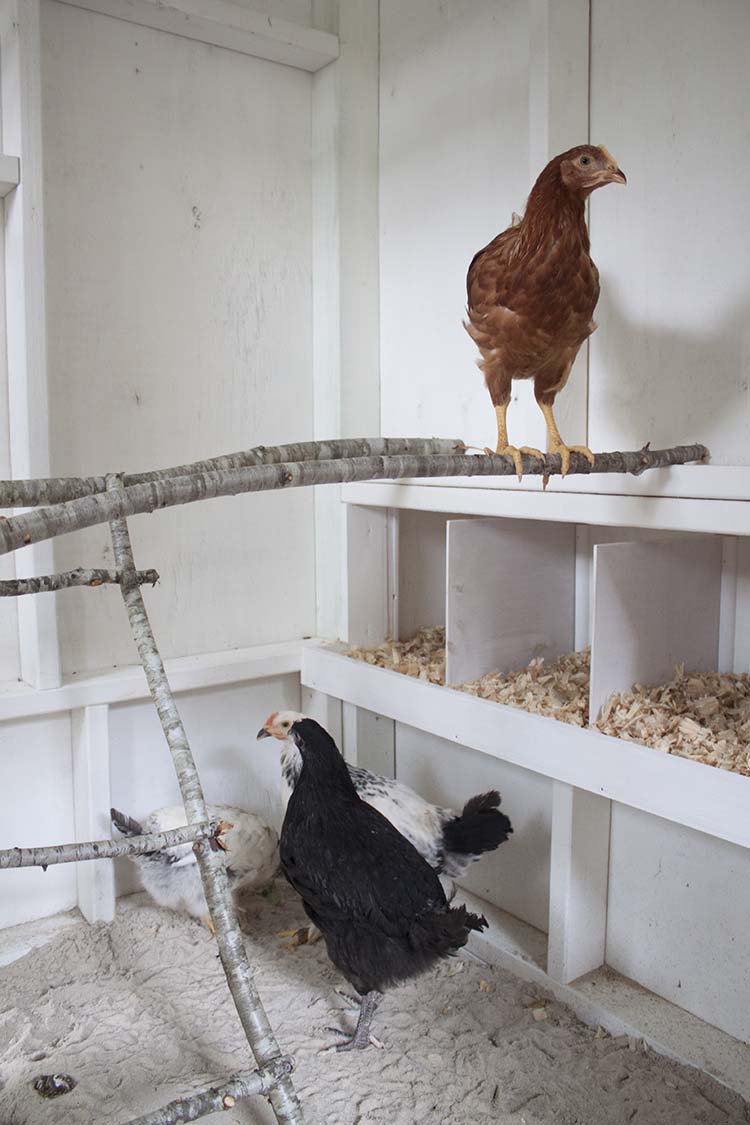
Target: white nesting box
[{"x": 249, "y": 221}]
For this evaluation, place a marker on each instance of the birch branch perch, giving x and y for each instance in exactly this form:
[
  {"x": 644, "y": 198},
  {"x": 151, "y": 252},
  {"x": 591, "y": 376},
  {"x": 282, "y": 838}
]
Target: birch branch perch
[
  {"x": 108, "y": 849},
  {"x": 46, "y": 584},
  {"x": 217, "y": 1098},
  {"x": 56, "y": 490},
  {"x": 211, "y": 863},
  {"x": 119, "y": 503}
]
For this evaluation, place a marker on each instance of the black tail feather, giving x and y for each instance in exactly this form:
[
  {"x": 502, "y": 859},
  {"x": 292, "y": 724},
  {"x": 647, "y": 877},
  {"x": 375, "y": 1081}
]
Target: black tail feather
[
  {"x": 480, "y": 828},
  {"x": 125, "y": 824}
]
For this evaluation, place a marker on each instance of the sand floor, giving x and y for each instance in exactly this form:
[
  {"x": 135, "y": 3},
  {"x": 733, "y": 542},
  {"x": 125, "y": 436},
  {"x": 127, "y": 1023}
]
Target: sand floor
[{"x": 138, "y": 1013}]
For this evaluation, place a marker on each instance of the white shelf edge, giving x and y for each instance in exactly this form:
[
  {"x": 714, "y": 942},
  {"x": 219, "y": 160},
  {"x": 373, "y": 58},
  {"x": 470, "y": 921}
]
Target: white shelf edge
[
  {"x": 662, "y": 513},
  {"x": 222, "y": 23},
  {"x": 701, "y": 797},
  {"x": 126, "y": 685},
  {"x": 10, "y": 173}
]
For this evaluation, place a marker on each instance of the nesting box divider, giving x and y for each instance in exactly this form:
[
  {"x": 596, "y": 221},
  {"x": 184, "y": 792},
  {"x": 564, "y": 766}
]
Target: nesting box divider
[
  {"x": 655, "y": 605},
  {"x": 510, "y": 595}
]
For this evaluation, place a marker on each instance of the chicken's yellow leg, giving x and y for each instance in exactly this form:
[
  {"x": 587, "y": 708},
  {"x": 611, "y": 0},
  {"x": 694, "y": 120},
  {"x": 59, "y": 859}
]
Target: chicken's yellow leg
[
  {"x": 555, "y": 443},
  {"x": 502, "y": 442}
]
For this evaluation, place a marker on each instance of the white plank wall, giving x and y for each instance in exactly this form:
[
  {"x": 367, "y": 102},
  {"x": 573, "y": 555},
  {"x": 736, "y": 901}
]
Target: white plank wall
[{"x": 92, "y": 801}]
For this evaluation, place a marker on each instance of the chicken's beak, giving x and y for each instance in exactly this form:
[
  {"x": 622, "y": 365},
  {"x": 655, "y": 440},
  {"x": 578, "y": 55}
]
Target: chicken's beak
[
  {"x": 262, "y": 733},
  {"x": 618, "y": 176}
]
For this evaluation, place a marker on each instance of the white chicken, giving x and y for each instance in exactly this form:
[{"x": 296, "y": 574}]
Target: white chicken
[
  {"x": 449, "y": 841},
  {"x": 172, "y": 878}
]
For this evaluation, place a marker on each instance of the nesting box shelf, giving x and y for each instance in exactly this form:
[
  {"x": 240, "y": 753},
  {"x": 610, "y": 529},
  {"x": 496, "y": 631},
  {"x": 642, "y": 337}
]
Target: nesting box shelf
[{"x": 702, "y": 797}]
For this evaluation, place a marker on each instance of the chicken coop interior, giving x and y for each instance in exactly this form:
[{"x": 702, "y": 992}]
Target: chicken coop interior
[{"x": 240, "y": 224}]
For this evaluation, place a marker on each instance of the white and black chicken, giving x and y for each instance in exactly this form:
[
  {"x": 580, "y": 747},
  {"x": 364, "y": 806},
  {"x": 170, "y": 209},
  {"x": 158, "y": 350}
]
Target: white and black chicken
[
  {"x": 449, "y": 841},
  {"x": 172, "y": 878}
]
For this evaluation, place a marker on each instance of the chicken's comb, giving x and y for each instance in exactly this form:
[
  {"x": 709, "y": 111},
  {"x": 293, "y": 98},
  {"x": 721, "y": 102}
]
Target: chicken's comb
[
  {"x": 606, "y": 153},
  {"x": 271, "y": 719}
]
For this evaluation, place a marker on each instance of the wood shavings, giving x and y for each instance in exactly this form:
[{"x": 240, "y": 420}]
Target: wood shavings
[
  {"x": 704, "y": 716},
  {"x": 559, "y": 690},
  {"x": 422, "y": 657}
]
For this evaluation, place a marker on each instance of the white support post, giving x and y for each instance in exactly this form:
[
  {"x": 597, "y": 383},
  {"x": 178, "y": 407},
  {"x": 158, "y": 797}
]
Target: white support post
[
  {"x": 20, "y": 70},
  {"x": 326, "y": 710},
  {"x": 346, "y": 368},
  {"x": 579, "y": 869},
  {"x": 367, "y": 589},
  {"x": 92, "y": 800},
  {"x": 369, "y": 740},
  {"x": 728, "y": 607}
]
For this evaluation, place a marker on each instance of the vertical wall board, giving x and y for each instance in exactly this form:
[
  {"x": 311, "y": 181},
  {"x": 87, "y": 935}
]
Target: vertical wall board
[
  {"x": 453, "y": 168},
  {"x": 671, "y": 358},
  {"x": 92, "y": 802},
  {"x": 510, "y": 594},
  {"x": 742, "y": 609},
  {"x": 26, "y": 352},
  {"x": 656, "y": 605},
  {"x": 179, "y": 299},
  {"x": 367, "y": 555},
  {"x": 369, "y": 740},
  {"x": 421, "y": 571},
  {"x": 579, "y": 867},
  {"x": 222, "y": 725},
  {"x": 326, "y": 710},
  {"x": 677, "y": 924},
  {"x": 36, "y": 808},
  {"x": 516, "y": 876}
]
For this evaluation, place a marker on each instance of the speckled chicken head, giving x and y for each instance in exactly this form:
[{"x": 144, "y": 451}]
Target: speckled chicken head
[
  {"x": 279, "y": 725},
  {"x": 587, "y": 167}
]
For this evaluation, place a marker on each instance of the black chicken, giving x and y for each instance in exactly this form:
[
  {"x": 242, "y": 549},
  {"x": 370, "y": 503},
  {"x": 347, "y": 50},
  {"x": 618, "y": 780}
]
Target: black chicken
[{"x": 378, "y": 904}]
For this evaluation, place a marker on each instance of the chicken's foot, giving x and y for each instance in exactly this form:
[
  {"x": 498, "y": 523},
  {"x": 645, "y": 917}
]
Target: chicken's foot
[
  {"x": 362, "y": 1037},
  {"x": 504, "y": 449},
  {"x": 555, "y": 444},
  {"x": 305, "y": 935}
]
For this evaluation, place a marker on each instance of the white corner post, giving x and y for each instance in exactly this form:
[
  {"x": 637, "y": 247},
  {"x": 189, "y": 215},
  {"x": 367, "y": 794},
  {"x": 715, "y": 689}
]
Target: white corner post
[
  {"x": 20, "y": 69},
  {"x": 346, "y": 369},
  {"x": 579, "y": 875},
  {"x": 91, "y": 804}
]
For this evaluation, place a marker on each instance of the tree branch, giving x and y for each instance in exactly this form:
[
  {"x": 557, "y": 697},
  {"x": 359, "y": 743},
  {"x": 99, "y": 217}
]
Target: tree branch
[
  {"x": 56, "y": 490},
  {"x": 211, "y": 863},
  {"x": 217, "y": 1098},
  {"x": 108, "y": 849},
  {"x": 88, "y": 511},
  {"x": 14, "y": 588}
]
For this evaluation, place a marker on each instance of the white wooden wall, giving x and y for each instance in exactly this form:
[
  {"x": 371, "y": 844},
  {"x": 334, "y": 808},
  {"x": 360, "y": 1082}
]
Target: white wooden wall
[{"x": 475, "y": 96}]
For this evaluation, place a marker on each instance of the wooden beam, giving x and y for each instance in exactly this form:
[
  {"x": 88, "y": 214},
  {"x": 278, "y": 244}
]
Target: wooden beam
[
  {"x": 579, "y": 870},
  {"x": 91, "y": 803},
  {"x": 224, "y": 24}
]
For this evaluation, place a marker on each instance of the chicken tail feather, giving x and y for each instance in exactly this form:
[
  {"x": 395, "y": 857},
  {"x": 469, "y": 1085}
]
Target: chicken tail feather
[
  {"x": 480, "y": 828},
  {"x": 125, "y": 824}
]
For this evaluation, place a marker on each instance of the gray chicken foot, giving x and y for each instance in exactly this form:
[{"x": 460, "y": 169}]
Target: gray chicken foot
[{"x": 362, "y": 1037}]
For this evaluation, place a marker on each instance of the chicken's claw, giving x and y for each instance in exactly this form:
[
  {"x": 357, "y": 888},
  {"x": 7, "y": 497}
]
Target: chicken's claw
[
  {"x": 516, "y": 454},
  {"x": 565, "y": 452}
]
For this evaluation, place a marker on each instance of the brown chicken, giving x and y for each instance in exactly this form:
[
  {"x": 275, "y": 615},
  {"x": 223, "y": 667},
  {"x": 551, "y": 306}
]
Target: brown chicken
[{"x": 532, "y": 293}]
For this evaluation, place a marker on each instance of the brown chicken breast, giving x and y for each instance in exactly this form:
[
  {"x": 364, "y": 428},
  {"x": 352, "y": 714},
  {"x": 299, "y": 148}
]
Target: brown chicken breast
[{"x": 532, "y": 293}]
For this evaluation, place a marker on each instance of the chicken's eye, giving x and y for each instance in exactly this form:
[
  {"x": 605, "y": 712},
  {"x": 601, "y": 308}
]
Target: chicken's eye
[{"x": 585, "y": 160}]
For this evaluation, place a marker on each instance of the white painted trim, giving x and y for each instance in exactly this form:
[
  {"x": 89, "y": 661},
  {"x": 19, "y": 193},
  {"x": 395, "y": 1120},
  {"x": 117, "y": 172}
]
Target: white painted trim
[
  {"x": 579, "y": 877},
  {"x": 20, "y": 72},
  {"x": 91, "y": 805},
  {"x": 126, "y": 685},
  {"x": 719, "y": 517},
  {"x": 728, "y": 610},
  {"x": 224, "y": 24},
  {"x": 699, "y": 482},
  {"x": 702, "y": 797},
  {"x": 10, "y": 173}
]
